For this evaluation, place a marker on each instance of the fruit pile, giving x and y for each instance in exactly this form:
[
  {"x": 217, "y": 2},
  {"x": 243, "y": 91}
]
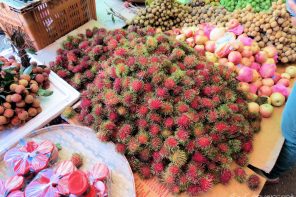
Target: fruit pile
[
  {"x": 271, "y": 28},
  {"x": 256, "y": 69},
  {"x": 174, "y": 115},
  {"x": 19, "y": 89},
  {"x": 77, "y": 60},
  {"x": 34, "y": 167},
  {"x": 258, "y": 6},
  {"x": 163, "y": 14}
]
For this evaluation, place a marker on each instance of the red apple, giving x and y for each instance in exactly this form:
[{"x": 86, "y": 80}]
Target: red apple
[
  {"x": 247, "y": 52},
  {"x": 264, "y": 91},
  {"x": 277, "y": 99},
  {"x": 268, "y": 82},
  {"x": 266, "y": 110},
  {"x": 253, "y": 88},
  {"x": 200, "y": 39},
  {"x": 257, "y": 83},
  {"x": 188, "y": 32},
  {"x": 246, "y": 61}
]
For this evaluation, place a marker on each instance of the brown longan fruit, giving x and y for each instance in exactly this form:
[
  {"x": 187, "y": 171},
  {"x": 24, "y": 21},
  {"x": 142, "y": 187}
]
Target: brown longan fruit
[
  {"x": 23, "y": 115},
  {"x": 12, "y": 87},
  {"x": 3, "y": 120},
  {"x": 19, "y": 89},
  {"x": 16, "y": 98},
  {"x": 39, "y": 110},
  {"x": 8, "y": 113},
  {"x": 21, "y": 104},
  {"x": 36, "y": 103},
  {"x": 8, "y": 99},
  {"x": 15, "y": 121},
  {"x": 34, "y": 88},
  {"x": 32, "y": 112},
  {"x": 29, "y": 99},
  {"x": 26, "y": 77},
  {"x": 33, "y": 82},
  {"x": 6, "y": 105},
  {"x": 23, "y": 82}
]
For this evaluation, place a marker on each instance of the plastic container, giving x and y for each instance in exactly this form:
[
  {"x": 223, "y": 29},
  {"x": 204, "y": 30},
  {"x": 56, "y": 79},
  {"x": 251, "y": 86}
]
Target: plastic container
[{"x": 45, "y": 22}]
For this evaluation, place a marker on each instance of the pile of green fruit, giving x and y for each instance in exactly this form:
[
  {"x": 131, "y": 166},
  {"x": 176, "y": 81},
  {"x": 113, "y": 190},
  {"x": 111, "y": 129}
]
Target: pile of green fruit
[{"x": 258, "y": 5}]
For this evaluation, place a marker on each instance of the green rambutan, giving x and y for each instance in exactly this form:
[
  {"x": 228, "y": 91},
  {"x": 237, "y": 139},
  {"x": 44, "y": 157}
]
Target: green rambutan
[
  {"x": 240, "y": 175},
  {"x": 235, "y": 145},
  {"x": 122, "y": 70},
  {"x": 178, "y": 157},
  {"x": 253, "y": 182},
  {"x": 151, "y": 43}
]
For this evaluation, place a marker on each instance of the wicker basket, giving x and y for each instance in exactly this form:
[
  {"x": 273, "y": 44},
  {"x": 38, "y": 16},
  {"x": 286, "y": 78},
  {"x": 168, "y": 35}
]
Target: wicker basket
[{"x": 47, "y": 21}]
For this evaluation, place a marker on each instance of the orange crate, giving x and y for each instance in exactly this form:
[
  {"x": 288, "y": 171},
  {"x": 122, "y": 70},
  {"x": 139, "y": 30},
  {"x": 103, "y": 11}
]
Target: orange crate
[{"x": 46, "y": 22}]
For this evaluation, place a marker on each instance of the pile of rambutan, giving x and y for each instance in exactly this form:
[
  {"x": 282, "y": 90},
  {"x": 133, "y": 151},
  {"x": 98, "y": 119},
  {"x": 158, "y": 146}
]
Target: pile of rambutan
[
  {"x": 77, "y": 59},
  {"x": 174, "y": 115}
]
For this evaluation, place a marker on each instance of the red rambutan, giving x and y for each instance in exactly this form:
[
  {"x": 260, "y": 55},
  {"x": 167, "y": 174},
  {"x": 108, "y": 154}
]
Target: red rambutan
[
  {"x": 194, "y": 190},
  {"x": 240, "y": 175},
  {"x": 182, "y": 108},
  {"x": 225, "y": 176},
  {"x": 247, "y": 146},
  {"x": 221, "y": 127},
  {"x": 120, "y": 148},
  {"x": 137, "y": 85},
  {"x": 207, "y": 103},
  {"x": 120, "y": 52},
  {"x": 171, "y": 142},
  {"x": 223, "y": 147},
  {"x": 169, "y": 84},
  {"x": 157, "y": 167},
  {"x": 161, "y": 92},
  {"x": 169, "y": 122},
  {"x": 204, "y": 142},
  {"x": 190, "y": 61},
  {"x": 206, "y": 183},
  {"x": 85, "y": 103},
  {"x": 143, "y": 137},
  {"x": 142, "y": 124},
  {"x": 183, "y": 121},
  {"x": 253, "y": 182},
  {"x": 145, "y": 171},
  {"x": 145, "y": 154},
  {"x": 155, "y": 104},
  {"x": 156, "y": 143},
  {"x": 198, "y": 157},
  {"x": 154, "y": 129},
  {"x": 182, "y": 135}
]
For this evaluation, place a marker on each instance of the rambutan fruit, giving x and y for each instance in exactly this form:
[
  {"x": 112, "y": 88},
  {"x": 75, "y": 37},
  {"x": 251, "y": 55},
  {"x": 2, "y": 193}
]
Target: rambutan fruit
[
  {"x": 157, "y": 156},
  {"x": 111, "y": 98},
  {"x": 113, "y": 116},
  {"x": 63, "y": 73},
  {"x": 204, "y": 142},
  {"x": 190, "y": 61},
  {"x": 143, "y": 137},
  {"x": 224, "y": 148},
  {"x": 88, "y": 119},
  {"x": 142, "y": 124},
  {"x": 154, "y": 129},
  {"x": 183, "y": 121},
  {"x": 194, "y": 190},
  {"x": 178, "y": 157},
  {"x": 121, "y": 70},
  {"x": 212, "y": 116},
  {"x": 155, "y": 104},
  {"x": 221, "y": 127},
  {"x": 162, "y": 49},
  {"x": 155, "y": 118},
  {"x": 167, "y": 108},
  {"x": 85, "y": 103},
  {"x": 112, "y": 44},
  {"x": 166, "y": 133},
  {"x": 253, "y": 182},
  {"x": 247, "y": 147},
  {"x": 164, "y": 152},
  {"x": 240, "y": 175},
  {"x": 225, "y": 176},
  {"x": 171, "y": 142},
  {"x": 151, "y": 43},
  {"x": 156, "y": 143},
  {"x": 136, "y": 85},
  {"x": 167, "y": 178},
  {"x": 177, "y": 54},
  {"x": 120, "y": 148},
  {"x": 182, "y": 135},
  {"x": 161, "y": 92},
  {"x": 235, "y": 145},
  {"x": 145, "y": 171},
  {"x": 144, "y": 154},
  {"x": 122, "y": 111},
  {"x": 168, "y": 122},
  {"x": 211, "y": 90},
  {"x": 198, "y": 157},
  {"x": 169, "y": 83},
  {"x": 206, "y": 183},
  {"x": 206, "y": 103},
  {"x": 133, "y": 145},
  {"x": 191, "y": 146},
  {"x": 157, "y": 168},
  {"x": 128, "y": 98},
  {"x": 241, "y": 159},
  {"x": 182, "y": 107},
  {"x": 88, "y": 33}
]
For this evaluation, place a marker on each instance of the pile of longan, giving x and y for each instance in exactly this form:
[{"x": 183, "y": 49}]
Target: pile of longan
[{"x": 19, "y": 100}]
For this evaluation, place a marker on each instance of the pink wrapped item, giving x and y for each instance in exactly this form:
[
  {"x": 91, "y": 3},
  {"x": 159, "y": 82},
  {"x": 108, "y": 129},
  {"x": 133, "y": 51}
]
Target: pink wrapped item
[
  {"x": 11, "y": 187},
  {"x": 31, "y": 156},
  {"x": 51, "y": 182}
]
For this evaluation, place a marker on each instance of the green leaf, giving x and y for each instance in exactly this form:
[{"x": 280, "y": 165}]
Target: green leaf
[
  {"x": 42, "y": 92},
  {"x": 28, "y": 70},
  {"x": 113, "y": 19}
]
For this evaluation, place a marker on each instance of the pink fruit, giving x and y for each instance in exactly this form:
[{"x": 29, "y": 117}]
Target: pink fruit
[
  {"x": 255, "y": 66},
  {"x": 247, "y": 41},
  {"x": 284, "y": 81},
  {"x": 264, "y": 91},
  {"x": 253, "y": 88},
  {"x": 235, "y": 57},
  {"x": 270, "y": 61},
  {"x": 257, "y": 83},
  {"x": 266, "y": 110},
  {"x": 210, "y": 46},
  {"x": 285, "y": 75},
  {"x": 267, "y": 70},
  {"x": 245, "y": 74},
  {"x": 200, "y": 39},
  {"x": 232, "y": 23},
  {"x": 261, "y": 57},
  {"x": 268, "y": 82},
  {"x": 188, "y": 32},
  {"x": 100, "y": 171},
  {"x": 246, "y": 61},
  {"x": 281, "y": 89},
  {"x": 230, "y": 65},
  {"x": 276, "y": 77},
  {"x": 247, "y": 52},
  {"x": 270, "y": 51}
]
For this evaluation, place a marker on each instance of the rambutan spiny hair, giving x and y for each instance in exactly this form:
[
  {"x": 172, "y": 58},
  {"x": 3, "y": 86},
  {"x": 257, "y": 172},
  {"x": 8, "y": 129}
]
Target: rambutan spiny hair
[{"x": 163, "y": 106}]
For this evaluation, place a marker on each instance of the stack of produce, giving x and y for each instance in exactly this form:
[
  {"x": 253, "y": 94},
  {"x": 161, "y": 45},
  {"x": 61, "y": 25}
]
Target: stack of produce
[
  {"x": 205, "y": 13},
  {"x": 19, "y": 91},
  {"x": 37, "y": 175},
  {"x": 163, "y": 14},
  {"x": 174, "y": 115},
  {"x": 256, "y": 69},
  {"x": 258, "y": 6},
  {"x": 271, "y": 28}
]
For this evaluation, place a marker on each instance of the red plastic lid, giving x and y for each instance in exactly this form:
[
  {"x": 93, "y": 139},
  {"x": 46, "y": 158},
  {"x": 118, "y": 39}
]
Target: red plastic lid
[{"x": 78, "y": 183}]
